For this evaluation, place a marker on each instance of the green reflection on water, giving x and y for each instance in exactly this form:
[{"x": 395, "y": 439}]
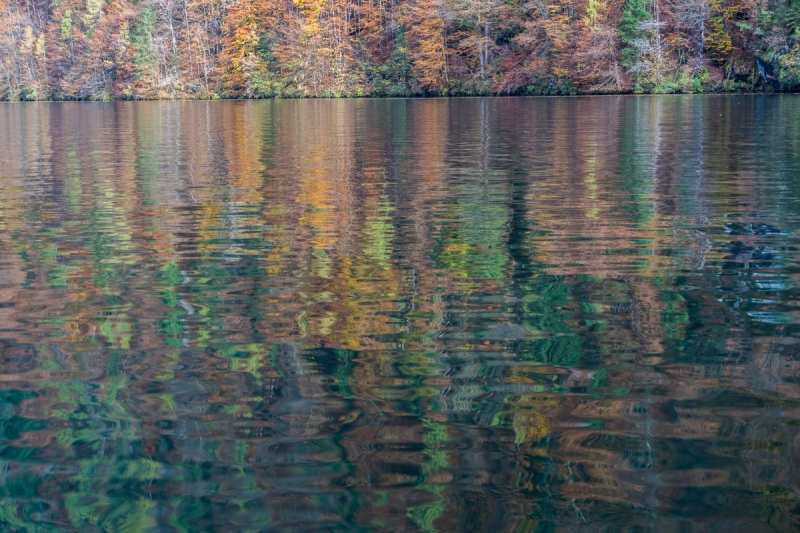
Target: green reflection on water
[{"x": 430, "y": 315}]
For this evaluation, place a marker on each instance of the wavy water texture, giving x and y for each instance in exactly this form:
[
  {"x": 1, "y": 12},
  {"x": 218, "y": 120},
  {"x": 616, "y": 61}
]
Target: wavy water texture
[{"x": 401, "y": 315}]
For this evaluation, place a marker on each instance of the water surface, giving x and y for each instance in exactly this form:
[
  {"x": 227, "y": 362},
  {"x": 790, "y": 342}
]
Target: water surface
[{"x": 506, "y": 315}]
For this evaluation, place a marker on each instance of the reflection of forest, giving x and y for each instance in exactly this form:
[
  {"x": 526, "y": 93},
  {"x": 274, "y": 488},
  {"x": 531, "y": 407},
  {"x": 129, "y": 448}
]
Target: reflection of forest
[{"x": 500, "y": 314}]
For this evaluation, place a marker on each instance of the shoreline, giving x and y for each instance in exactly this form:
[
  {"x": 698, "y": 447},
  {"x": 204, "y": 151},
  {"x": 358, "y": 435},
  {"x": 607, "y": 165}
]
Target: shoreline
[{"x": 410, "y": 97}]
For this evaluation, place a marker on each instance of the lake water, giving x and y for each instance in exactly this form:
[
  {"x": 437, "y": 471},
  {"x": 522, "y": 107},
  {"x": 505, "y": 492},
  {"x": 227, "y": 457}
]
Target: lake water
[{"x": 503, "y": 315}]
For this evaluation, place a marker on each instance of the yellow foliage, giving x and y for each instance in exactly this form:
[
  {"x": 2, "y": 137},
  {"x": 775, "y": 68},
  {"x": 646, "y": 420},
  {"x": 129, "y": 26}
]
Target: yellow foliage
[
  {"x": 312, "y": 12},
  {"x": 39, "y": 51},
  {"x": 27, "y": 40},
  {"x": 593, "y": 12},
  {"x": 718, "y": 42}
]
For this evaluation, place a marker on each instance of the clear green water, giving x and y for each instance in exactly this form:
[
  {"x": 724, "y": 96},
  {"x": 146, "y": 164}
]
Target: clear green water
[{"x": 493, "y": 315}]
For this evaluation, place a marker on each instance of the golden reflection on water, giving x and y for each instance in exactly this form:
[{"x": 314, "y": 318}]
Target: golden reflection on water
[{"x": 499, "y": 314}]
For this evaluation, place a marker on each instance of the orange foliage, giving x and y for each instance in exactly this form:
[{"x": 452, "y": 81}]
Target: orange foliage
[{"x": 97, "y": 49}]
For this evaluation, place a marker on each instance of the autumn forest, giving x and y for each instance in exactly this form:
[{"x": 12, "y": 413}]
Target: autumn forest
[{"x": 151, "y": 49}]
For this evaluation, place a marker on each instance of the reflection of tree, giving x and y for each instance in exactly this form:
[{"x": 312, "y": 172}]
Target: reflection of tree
[{"x": 392, "y": 314}]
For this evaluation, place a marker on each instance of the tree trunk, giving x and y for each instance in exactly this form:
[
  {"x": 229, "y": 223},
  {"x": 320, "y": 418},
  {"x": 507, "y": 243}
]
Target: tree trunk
[
  {"x": 485, "y": 44},
  {"x": 480, "y": 52}
]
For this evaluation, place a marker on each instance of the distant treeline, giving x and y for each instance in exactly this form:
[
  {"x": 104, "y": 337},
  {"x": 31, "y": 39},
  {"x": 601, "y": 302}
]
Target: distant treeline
[{"x": 132, "y": 49}]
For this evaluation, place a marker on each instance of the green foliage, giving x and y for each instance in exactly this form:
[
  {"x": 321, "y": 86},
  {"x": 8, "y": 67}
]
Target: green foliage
[
  {"x": 265, "y": 49},
  {"x": 267, "y": 84},
  {"x": 393, "y": 78},
  {"x": 683, "y": 83},
  {"x": 265, "y": 79},
  {"x": 93, "y": 8},
  {"x": 145, "y": 59},
  {"x": 789, "y": 68},
  {"x": 28, "y": 94},
  {"x": 793, "y": 17},
  {"x": 66, "y": 25},
  {"x": 552, "y": 87},
  {"x": 629, "y": 29},
  {"x": 778, "y": 45}
]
